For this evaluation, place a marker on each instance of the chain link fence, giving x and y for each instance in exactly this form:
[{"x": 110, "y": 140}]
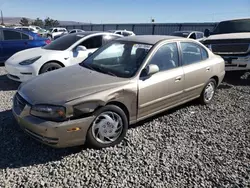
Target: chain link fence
[{"x": 145, "y": 29}]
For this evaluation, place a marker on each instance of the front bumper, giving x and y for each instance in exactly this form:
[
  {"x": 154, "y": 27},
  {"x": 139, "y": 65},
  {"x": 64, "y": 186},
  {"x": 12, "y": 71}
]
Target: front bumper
[
  {"x": 54, "y": 134},
  {"x": 236, "y": 62},
  {"x": 20, "y": 73}
]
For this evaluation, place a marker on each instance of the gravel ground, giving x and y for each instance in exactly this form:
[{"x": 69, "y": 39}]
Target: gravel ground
[{"x": 193, "y": 146}]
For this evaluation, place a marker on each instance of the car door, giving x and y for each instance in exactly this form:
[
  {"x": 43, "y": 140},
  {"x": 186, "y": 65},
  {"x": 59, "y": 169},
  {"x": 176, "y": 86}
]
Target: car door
[
  {"x": 197, "y": 68},
  {"x": 165, "y": 88},
  {"x": 12, "y": 43}
]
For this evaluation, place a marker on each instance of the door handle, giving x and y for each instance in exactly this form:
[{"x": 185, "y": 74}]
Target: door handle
[
  {"x": 177, "y": 79},
  {"x": 208, "y": 69},
  {"x": 25, "y": 43}
]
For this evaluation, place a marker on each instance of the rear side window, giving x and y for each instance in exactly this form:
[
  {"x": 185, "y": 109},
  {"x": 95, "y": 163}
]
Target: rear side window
[
  {"x": 11, "y": 35},
  {"x": 199, "y": 35},
  {"x": 192, "y": 53},
  {"x": 93, "y": 42},
  {"x": 25, "y": 37},
  {"x": 204, "y": 54}
]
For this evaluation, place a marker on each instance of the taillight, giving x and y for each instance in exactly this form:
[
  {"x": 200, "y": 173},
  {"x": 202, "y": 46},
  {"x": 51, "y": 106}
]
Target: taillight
[{"x": 48, "y": 41}]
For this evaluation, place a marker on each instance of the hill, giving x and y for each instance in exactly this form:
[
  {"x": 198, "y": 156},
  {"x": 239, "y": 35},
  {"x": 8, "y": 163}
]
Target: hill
[{"x": 16, "y": 21}]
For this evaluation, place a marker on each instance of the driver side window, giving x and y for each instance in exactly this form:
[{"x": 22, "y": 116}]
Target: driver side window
[{"x": 166, "y": 57}]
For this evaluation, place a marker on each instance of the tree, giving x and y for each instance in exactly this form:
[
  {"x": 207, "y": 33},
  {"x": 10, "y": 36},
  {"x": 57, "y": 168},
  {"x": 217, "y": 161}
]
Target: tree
[
  {"x": 55, "y": 23},
  {"x": 48, "y": 22},
  {"x": 38, "y": 22},
  {"x": 24, "y": 22}
]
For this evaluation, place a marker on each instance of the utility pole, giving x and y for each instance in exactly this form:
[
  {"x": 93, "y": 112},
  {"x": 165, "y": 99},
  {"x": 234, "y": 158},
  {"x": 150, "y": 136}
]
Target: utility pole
[{"x": 2, "y": 17}]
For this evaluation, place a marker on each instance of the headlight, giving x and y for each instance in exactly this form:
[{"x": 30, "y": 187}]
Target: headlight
[
  {"x": 29, "y": 61},
  {"x": 54, "y": 113}
]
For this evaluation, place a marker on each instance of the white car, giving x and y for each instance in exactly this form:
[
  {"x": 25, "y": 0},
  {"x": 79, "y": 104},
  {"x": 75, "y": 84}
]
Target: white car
[
  {"x": 56, "y": 31},
  {"x": 123, "y": 32},
  {"x": 196, "y": 35},
  {"x": 65, "y": 51},
  {"x": 27, "y": 28},
  {"x": 76, "y": 31}
]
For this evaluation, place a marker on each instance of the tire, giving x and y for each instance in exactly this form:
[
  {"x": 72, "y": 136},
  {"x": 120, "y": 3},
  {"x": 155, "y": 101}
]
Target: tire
[
  {"x": 94, "y": 139},
  {"x": 50, "y": 67},
  {"x": 204, "y": 98}
]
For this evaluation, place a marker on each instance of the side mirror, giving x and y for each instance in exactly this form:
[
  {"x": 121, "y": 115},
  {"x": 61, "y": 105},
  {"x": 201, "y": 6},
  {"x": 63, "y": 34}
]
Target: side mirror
[
  {"x": 81, "y": 48},
  {"x": 150, "y": 70},
  {"x": 207, "y": 33}
]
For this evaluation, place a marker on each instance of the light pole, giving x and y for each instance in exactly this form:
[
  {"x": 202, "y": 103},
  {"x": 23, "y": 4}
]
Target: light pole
[{"x": 2, "y": 17}]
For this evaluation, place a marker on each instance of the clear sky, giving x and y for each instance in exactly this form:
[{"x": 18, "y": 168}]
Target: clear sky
[{"x": 128, "y": 11}]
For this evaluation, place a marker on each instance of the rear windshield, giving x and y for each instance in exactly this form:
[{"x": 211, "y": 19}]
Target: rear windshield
[
  {"x": 63, "y": 43},
  {"x": 236, "y": 26}
]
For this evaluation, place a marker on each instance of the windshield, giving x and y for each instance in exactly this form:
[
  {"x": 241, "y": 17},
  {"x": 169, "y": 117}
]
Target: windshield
[
  {"x": 235, "y": 26},
  {"x": 63, "y": 43},
  {"x": 181, "y": 34},
  {"x": 118, "y": 58}
]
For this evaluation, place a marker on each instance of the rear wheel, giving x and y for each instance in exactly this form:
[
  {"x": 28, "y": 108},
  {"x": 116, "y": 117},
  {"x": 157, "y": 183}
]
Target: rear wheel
[
  {"x": 108, "y": 128},
  {"x": 50, "y": 67},
  {"x": 208, "y": 92}
]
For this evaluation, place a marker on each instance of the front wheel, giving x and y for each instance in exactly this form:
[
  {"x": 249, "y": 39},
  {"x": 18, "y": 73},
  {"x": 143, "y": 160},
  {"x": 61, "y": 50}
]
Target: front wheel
[
  {"x": 50, "y": 67},
  {"x": 208, "y": 92},
  {"x": 108, "y": 128}
]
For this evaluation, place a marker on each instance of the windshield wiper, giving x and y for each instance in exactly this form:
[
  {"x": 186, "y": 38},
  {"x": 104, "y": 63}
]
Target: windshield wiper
[
  {"x": 98, "y": 69},
  {"x": 103, "y": 70},
  {"x": 87, "y": 66}
]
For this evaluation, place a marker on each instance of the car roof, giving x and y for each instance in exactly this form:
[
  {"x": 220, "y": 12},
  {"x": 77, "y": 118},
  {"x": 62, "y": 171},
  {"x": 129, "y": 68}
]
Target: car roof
[
  {"x": 149, "y": 39},
  {"x": 85, "y": 33},
  {"x": 12, "y": 29},
  {"x": 188, "y": 31},
  {"x": 239, "y": 19}
]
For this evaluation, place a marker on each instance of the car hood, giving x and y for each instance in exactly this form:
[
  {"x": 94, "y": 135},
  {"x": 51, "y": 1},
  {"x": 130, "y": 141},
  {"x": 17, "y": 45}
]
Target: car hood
[
  {"x": 245, "y": 35},
  {"x": 66, "y": 84},
  {"x": 29, "y": 53}
]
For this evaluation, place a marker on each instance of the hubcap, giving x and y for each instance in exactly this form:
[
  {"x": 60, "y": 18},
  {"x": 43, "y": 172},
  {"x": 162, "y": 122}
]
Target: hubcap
[
  {"x": 209, "y": 91},
  {"x": 51, "y": 69},
  {"x": 107, "y": 127}
]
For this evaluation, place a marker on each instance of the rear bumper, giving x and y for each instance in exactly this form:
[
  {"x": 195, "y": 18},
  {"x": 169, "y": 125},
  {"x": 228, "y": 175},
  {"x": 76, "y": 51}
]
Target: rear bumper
[{"x": 221, "y": 77}]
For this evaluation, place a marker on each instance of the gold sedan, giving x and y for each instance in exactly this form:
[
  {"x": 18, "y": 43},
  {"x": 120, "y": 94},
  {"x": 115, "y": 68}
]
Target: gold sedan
[{"x": 123, "y": 82}]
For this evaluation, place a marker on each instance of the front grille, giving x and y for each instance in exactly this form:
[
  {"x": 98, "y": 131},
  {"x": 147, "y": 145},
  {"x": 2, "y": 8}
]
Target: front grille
[
  {"x": 44, "y": 139},
  {"x": 230, "y": 48},
  {"x": 19, "y": 102}
]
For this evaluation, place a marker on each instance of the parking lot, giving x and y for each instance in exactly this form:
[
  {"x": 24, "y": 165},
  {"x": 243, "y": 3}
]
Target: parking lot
[{"x": 192, "y": 145}]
